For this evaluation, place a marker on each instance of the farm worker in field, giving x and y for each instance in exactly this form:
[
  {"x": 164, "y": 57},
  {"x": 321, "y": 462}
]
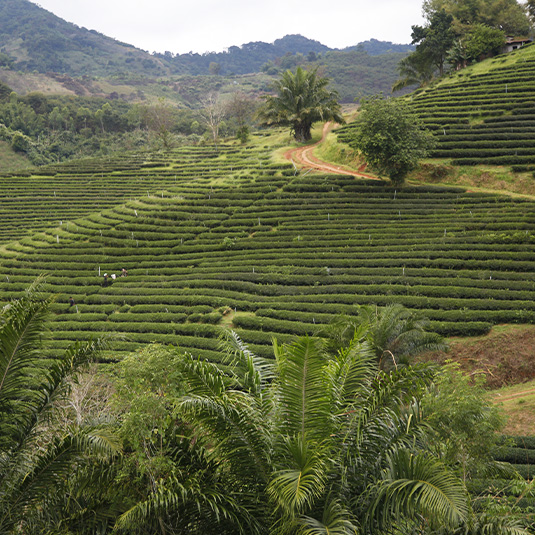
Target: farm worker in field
[
  {"x": 105, "y": 280},
  {"x": 124, "y": 273},
  {"x": 71, "y": 302}
]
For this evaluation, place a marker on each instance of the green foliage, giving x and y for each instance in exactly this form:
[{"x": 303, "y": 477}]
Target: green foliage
[
  {"x": 435, "y": 39},
  {"x": 302, "y": 444},
  {"x": 40, "y": 461},
  {"x": 459, "y": 33},
  {"x": 484, "y": 41},
  {"x": 301, "y": 100},
  {"x": 391, "y": 138},
  {"x": 507, "y": 15},
  {"x": 394, "y": 332},
  {"x": 465, "y": 425},
  {"x": 464, "y": 419}
]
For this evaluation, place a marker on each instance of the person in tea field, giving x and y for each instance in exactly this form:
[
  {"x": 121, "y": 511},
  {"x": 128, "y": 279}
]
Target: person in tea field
[
  {"x": 124, "y": 273},
  {"x": 71, "y": 302},
  {"x": 105, "y": 283}
]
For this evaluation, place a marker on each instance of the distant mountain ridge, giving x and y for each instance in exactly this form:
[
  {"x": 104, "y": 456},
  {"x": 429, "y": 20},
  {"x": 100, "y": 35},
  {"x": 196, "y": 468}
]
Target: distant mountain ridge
[{"x": 33, "y": 39}]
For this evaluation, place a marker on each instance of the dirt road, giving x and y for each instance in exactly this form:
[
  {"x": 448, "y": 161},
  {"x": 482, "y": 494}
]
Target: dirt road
[{"x": 304, "y": 157}]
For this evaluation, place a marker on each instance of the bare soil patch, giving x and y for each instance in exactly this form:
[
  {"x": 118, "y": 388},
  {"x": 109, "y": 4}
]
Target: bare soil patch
[{"x": 506, "y": 355}]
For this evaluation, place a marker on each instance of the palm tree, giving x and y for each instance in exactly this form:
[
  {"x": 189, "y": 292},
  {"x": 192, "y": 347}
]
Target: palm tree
[
  {"x": 414, "y": 70},
  {"x": 394, "y": 332},
  {"x": 37, "y": 461},
  {"x": 301, "y": 100},
  {"x": 310, "y": 444}
]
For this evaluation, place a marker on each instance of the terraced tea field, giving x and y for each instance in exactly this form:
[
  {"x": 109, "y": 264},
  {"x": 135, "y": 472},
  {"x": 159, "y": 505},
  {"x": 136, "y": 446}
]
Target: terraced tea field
[
  {"x": 68, "y": 191},
  {"x": 484, "y": 114},
  {"x": 234, "y": 240}
]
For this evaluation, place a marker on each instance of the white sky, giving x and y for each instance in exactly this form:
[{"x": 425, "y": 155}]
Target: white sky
[{"x": 182, "y": 26}]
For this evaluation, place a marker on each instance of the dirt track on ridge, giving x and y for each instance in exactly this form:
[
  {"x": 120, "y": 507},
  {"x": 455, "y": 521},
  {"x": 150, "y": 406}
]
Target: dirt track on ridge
[{"x": 304, "y": 156}]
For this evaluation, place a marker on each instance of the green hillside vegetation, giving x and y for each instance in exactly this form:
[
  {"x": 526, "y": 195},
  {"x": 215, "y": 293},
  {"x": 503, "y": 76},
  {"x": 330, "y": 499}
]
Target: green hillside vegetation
[
  {"x": 12, "y": 161},
  {"x": 484, "y": 114},
  {"x": 229, "y": 238},
  {"x": 41, "y": 52},
  {"x": 33, "y": 39},
  {"x": 481, "y": 115}
]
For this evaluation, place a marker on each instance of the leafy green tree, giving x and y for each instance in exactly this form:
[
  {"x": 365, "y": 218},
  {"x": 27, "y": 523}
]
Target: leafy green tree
[
  {"x": 530, "y": 9},
  {"x": 434, "y": 40},
  {"x": 39, "y": 463},
  {"x": 301, "y": 100},
  {"x": 309, "y": 443},
  {"x": 507, "y": 15},
  {"x": 20, "y": 142},
  {"x": 165, "y": 481},
  {"x": 483, "y": 41},
  {"x": 391, "y": 137},
  {"x": 415, "y": 69},
  {"x": 240, "y": 111},
  {"x": 464, "y": 427}
]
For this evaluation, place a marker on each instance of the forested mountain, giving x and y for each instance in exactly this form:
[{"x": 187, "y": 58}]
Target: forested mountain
[{"x": 33, "y": 39}]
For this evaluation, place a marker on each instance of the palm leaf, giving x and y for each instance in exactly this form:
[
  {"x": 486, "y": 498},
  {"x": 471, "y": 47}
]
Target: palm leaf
[
  {"x": 335, "y": 520},
  {"x": 415, "y": 484},
  {"x": 300, "y": 390},
  {"x": 296, "y": 488}
]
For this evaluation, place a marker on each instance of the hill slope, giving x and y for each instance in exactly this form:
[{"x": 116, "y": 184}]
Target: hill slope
[
  {"x": 35, "y": 40},
  {"x": 228, "y": 238},
  {"x": 38, "y": 40},
  {"x": 483, "y": 114}
]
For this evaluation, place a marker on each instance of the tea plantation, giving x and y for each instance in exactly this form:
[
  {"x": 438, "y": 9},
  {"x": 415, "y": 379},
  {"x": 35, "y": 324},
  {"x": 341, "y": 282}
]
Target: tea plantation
[
  {"x": 227, "y": 238},
  {"x": 484, "y": 114}
]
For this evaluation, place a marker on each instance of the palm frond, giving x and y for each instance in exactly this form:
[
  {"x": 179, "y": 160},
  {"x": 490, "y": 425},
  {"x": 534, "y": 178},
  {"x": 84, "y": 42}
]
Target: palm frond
[
  {"x": 296, "y": 488},
  {"x": 350, "y": 372},
  {"x": 35, "y": 477},
  {"x": 251, "y": 371},
  {"x": 335, "y": 520},
  {"x": 415, "y": 484},
  {"x": 300, "y": 392}
]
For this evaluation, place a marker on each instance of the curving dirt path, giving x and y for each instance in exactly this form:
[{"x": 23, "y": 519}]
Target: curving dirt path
[{"x": 304, "y": 157}]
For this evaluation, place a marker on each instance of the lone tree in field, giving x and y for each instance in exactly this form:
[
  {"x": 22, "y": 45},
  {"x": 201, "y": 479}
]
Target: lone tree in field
[
  {"x": 391, "y": 138},
  {"x": 301, "y": 100}
]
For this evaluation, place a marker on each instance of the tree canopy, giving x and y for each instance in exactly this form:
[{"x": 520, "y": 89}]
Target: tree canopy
[
  {"x": 459, "y": 33},
  {"x": 391, "y": 137},
  {"x": 300, "y": 100},
  {"x": 41, "y": 462}
]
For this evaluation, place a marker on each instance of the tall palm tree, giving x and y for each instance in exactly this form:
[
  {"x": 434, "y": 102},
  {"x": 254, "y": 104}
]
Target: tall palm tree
[
  {"x": 311, "y": 443},
  {"x": 301, "y": 100},
  {"x": 37, "y": 461}
]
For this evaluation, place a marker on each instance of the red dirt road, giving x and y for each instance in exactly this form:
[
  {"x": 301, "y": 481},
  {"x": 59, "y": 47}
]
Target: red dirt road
[{"x": 304, "y": 157}]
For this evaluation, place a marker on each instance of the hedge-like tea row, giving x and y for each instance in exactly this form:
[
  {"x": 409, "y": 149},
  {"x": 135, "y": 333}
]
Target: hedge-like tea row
[
  {"x": 57, "y": 194},
  {"x": 277, "y": 256},
  {"x": 481, "y": 117}
]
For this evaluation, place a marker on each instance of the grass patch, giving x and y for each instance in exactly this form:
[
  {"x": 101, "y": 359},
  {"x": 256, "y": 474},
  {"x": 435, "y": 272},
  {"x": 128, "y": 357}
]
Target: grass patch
[
  {"x": 518, "y": 403},
  {"x": 11, "y": 161},
  {"x": 333, "y": 152}
]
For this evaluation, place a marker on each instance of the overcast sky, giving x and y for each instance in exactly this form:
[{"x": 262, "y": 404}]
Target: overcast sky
[{"x": 213, "y": 25}]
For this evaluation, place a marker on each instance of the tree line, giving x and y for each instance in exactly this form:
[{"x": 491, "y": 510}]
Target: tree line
[
  {"x": 54, "y": 128},
  {"x": 457, "y": 34}
]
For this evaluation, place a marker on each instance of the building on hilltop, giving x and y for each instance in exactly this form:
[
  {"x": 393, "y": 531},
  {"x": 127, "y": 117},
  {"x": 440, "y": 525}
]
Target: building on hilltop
[{"x": 512, "y": 43}]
